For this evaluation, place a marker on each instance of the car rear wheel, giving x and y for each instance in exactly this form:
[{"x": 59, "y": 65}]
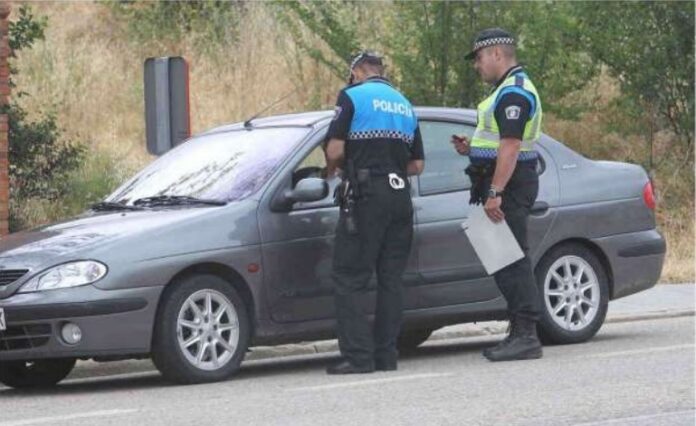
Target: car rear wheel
[
  {"x": 35, "y": 374},
  {"x": 202, "y": 331},
  {"x": 575, "y": 294},
  {"x": 409, "y": 340}
]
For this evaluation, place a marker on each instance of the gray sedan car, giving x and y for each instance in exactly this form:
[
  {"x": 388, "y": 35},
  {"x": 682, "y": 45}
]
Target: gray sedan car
[{"x": 225, "y": 242}]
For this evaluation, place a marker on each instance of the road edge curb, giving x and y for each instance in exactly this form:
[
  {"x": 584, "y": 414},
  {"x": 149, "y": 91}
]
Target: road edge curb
[{"x": 267, "y": 352}]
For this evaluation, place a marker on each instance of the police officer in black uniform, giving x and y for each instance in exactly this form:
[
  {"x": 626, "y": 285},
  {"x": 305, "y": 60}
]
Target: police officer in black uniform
[
  {"x": 375, "y": 142},
  {"x": 504, "y": 177}
]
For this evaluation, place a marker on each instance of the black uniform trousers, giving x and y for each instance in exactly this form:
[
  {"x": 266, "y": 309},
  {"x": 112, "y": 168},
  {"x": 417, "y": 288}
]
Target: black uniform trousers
[
  {"x": 385, "y": 230},
  {"x": 516, "y": 281}
]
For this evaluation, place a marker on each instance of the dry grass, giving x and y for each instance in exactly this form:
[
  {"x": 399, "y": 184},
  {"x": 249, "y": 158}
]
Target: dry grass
[
  {"x": 680, "y": 266},
  {"x": 90, "y": 74}
]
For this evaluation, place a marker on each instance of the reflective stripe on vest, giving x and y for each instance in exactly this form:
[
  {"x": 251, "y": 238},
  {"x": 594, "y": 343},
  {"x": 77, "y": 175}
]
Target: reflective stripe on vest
[{"x": 487, "y": 134}]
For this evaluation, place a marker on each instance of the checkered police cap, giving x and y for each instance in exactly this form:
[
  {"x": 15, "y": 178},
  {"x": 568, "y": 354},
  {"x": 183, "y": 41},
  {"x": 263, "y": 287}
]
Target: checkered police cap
[{"x": 490, "y": 37}]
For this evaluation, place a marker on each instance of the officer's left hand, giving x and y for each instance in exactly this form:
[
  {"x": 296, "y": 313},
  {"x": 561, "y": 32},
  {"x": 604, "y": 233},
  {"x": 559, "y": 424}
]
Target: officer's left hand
[
  {"x": 492, "y": 209},
  {"x": 325, "y": 174}
]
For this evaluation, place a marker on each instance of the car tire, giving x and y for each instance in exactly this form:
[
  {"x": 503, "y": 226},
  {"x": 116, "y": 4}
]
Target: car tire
[
  {"x": 573, "y": 304},
  {"x": 201, "y": 332},
  {"x": 409, "y": 340},
  {"x": 35, "y": 374}
]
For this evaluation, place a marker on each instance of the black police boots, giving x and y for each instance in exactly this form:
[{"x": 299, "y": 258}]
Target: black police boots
[
  {"x": 347, "y": 367},
  {"x": 487, "y": 351},
  {"x": 386, "y": 364},
  {"x": 521, "y": 343}
]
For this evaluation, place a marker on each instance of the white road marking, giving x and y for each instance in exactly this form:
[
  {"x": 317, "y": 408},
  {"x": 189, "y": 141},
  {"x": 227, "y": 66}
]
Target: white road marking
[
  {"x": 641, "y": 351},
  {"x": 370, "y": 382},
  {"x": 641, "y": 419},
  {"x": 53, "y": 419}
]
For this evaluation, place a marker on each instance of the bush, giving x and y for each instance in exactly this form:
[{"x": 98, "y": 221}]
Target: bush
[
  {"x": 40, "y": 162},
  {"x": 96, "y": 177}
]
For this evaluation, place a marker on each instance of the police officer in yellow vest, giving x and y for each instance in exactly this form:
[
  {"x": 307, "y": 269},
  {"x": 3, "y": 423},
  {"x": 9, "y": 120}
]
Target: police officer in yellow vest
[{"x": 504, "y": 177}]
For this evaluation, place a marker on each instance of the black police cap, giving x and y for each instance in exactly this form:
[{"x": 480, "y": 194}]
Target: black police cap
[
  {"x": 366, "y": 56},
  {"x": 490, "y": 37}
]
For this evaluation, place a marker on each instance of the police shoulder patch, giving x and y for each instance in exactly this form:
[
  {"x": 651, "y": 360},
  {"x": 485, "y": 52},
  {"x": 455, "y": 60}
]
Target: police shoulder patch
[{"x": 512, "y": 112}]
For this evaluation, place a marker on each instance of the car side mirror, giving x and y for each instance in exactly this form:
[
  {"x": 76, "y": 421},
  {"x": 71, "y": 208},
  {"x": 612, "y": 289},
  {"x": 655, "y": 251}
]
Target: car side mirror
[{"x": 308, "y": 190}]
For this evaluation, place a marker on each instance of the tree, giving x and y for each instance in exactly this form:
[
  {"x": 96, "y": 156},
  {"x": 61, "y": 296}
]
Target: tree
[
  {"x": 426, "y": 42},
  {"x": 649, "y": 48},
  {"x": 39, "y": 159},
  {"x": 342, "y": 26},
  {"x": 434, "y": 37}
]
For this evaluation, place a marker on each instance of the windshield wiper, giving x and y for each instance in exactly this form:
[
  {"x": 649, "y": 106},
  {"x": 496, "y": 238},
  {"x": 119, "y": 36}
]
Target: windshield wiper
[
  {"x": 107, "y": 205},
  {"x": 175, "y": 200}
]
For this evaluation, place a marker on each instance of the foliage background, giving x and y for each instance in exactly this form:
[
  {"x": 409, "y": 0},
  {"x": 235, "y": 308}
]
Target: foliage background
[{"x": 617, "y": 79}]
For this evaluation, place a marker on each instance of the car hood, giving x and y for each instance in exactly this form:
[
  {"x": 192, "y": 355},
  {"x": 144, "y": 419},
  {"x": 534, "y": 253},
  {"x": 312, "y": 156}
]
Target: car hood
[{"x": 95, "y": 233}]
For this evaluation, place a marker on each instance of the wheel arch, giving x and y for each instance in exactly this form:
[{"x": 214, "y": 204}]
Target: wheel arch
[
  {"x": 230, "y": 275},
  {"x": 594, "y": 248}
]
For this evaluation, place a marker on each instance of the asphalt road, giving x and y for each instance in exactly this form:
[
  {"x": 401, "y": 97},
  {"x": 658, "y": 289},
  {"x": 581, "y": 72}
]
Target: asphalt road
[{"x": 632, "y": 373}]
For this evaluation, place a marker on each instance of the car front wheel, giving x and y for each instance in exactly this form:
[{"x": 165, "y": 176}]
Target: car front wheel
[
  {"x": 35, "y": 374},
  {"x": 574, "y": 289},
  {"x": 202, "y": 331}
]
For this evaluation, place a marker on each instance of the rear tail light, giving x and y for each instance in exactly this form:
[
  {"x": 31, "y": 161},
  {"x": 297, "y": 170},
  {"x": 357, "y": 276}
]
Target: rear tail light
[{"x": 649, "y": 195}]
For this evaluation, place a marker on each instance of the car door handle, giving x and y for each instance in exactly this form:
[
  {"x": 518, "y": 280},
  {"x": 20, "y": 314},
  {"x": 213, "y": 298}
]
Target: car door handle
[{"x": 540, "y": 207}]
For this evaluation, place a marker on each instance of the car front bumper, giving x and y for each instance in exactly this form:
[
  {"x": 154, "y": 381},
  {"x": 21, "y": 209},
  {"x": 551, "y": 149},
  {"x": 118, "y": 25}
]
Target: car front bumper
[
  {"x": 113, "y": 323},
  {"x": 636, "y": 260}
]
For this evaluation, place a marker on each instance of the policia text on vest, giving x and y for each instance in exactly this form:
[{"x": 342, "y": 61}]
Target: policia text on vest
[{"x": 392, "y": 107}]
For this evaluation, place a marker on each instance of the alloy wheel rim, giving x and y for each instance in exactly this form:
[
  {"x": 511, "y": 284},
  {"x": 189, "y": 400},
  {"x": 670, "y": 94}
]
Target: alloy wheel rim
[
  {"x": 571, "y": 293},
  {"x": 208, "y": 330}
]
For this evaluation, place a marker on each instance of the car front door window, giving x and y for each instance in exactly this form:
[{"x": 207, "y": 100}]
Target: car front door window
[{"x": 444, "y": 168}]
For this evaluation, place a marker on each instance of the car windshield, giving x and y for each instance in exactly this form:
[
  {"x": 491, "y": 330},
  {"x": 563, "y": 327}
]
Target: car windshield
[{"x": 222, "y": 167}]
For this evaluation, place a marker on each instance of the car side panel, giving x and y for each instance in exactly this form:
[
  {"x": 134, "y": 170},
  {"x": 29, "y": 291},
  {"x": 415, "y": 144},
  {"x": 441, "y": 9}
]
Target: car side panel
[
  {"x": 636, "y": 258},
  {"x": 298, "y": 253}
]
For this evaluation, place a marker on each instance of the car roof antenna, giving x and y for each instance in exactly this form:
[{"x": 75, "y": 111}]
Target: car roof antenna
[{"x": 247, "y": 123}]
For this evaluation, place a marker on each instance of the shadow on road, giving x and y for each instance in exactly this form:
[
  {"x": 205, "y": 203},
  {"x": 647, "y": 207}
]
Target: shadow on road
[
  {"x": 107, "y": 384},
  {"x": 133, "y": 379}
]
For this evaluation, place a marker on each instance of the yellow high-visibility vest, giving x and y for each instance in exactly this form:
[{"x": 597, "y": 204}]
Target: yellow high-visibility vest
[{"x": 486, "y": 138}]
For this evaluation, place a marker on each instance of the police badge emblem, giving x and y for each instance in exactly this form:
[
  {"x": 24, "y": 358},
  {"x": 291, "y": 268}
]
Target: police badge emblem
[{"x": 512, "y": 112}]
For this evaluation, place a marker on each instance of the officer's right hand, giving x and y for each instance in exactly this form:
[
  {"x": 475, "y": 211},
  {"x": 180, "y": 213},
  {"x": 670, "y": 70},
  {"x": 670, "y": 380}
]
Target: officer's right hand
[{"x": 461, "y": 144}]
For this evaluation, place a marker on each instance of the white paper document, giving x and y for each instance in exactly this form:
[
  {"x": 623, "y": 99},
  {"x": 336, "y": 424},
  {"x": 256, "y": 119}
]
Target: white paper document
[{"x": 493, "y": 243}]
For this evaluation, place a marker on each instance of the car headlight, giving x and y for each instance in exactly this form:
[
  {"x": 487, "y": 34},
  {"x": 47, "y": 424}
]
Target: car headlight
[{"x": 71, "y": 274}]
